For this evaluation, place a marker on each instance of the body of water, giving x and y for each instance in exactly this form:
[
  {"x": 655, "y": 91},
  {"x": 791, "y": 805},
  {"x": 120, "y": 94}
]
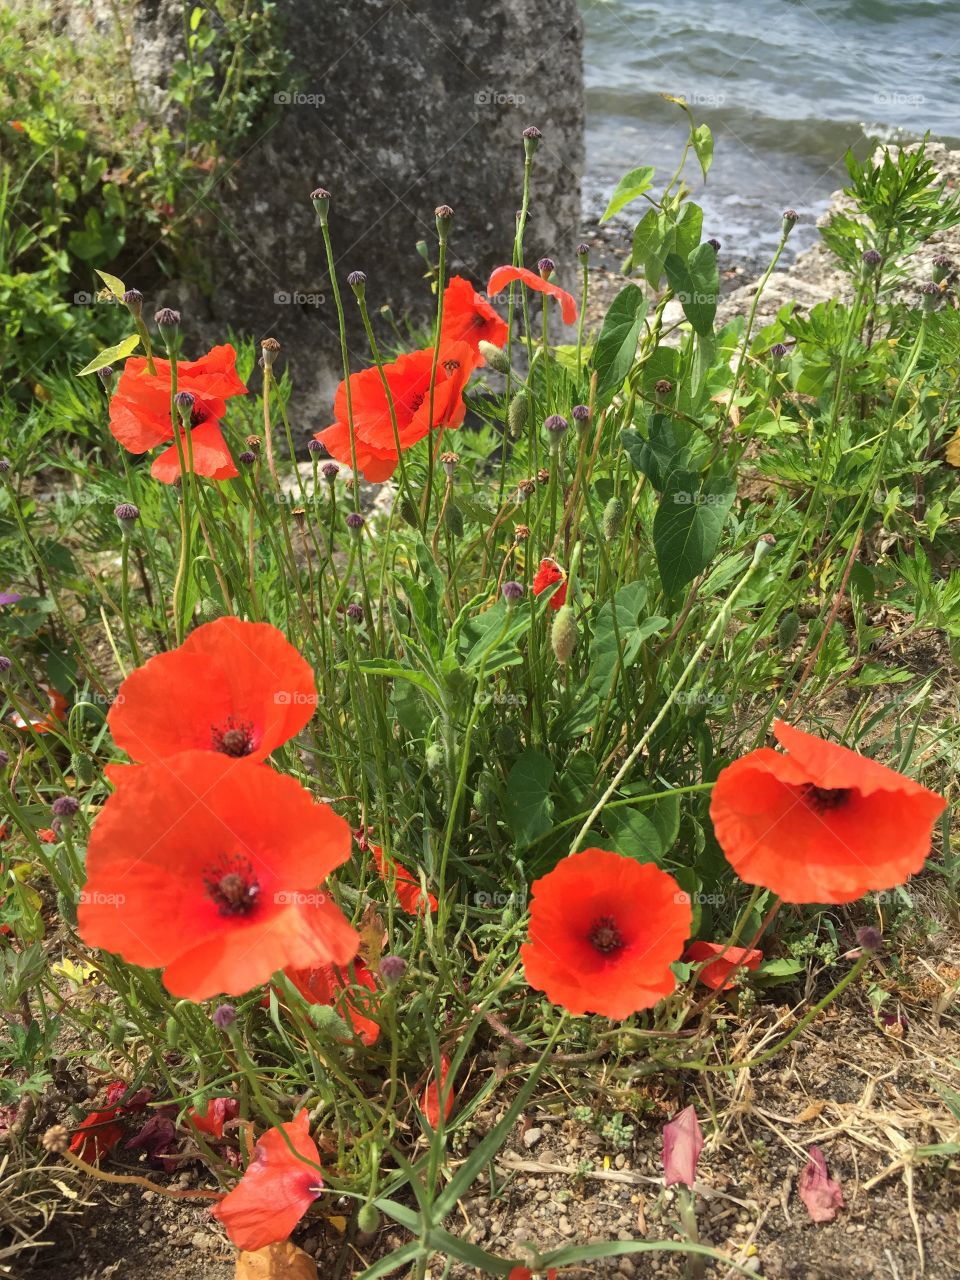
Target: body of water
[{"x": 785, "y": 85}]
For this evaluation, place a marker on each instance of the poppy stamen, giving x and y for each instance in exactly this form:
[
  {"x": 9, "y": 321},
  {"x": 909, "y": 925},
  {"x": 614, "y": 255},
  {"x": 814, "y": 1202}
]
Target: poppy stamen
[
  {"x": 825, "y": 798},
  {"x": 233, "y": 887},
  {"x": 234, "y": 739},
  {"x": 416, "y": 400},
  {"x": 605, "y": 937}
]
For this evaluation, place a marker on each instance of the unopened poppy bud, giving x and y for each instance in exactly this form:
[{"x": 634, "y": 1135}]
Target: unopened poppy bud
[
  {"x": 434, "y": 758},
  {"x": 555, "y": 427},
  {"x": 788, "y": 630},
  {"x": 134, "y": 302},
  {"x": 329, "y": 471},
  {"x": 247, "y": 457},
  {"x": 583, "y": 253},
  {"x": 495, "y": 357},
  {"x": 392, "y": 969},
  {"x": 521, "y": 533},
  {"x": 546, "y": 267},
  {"x": 270, "y": 348},
  {"x": 869, "y": 938},
  {"x": 563, "y": 636},
  {"x": 778, "y": 351},
  {"x": 65, "y": 808},
  {"x": 354, "y": 523},
  {"x": 224, "y": 1016},
  {"x": 612, "y": 518},
  {"x": 444, "y": 216},
  {"x": 790, "y": 220},
  {"x": 127, "y": 514},
  {"x": 453, "y": 519},
  {"x": 368, "y": 1219},
  {"x": 357, "y": 280},
  {"x": 56, "y": 1140},
  {"x": 321, "y": 202},
  {"x": 930, "y": 295},
  {"x": 328, "y": 1022},
  {"x": 5, "y": 665},
  {"x": 941, "y": 267},
  {"x": 512, "y": 593},
  {"x": 517, "y": 413},
  {"x": 424, "y": 251},
  {"x": 449, "y": 463},
  {"x": 714, "y": 244},
  {"x": 663, "y": 387},
  {"x": 168, "y": 322},
  {"x": 871, "y": 259},
  {"x": 355, "y": 611}
]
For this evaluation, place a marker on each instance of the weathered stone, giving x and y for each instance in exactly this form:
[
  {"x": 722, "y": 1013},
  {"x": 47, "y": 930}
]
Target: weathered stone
[{"x": 394, "y": 106}]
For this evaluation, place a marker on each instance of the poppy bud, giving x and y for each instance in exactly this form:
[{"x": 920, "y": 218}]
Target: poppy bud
[
  {"x": 330, "y": 471},
  {"x": 434, "y": 758},
  {"x": 512, "y": 593},
  {"x": 612, "y": 519},
  {"x": 247, "y": 457},
  {"x": 453, "y": 519},
  {"x": 357, "y": 280},
  {"x": 209, "y": 610},
  {"x": 765, "y": 544},
  {"x": 392, "y": 969},
  {"x": 321, "y": 202},
  {"x": 941, "y": 267},
  {"x": 328, "y": 1022},
  {"x": 546, "y": 267},
  {"x": 355, "y": 612},
  {"x": 495, "y": 357},
  {"x": 368, "y": 1219},
  {"x": 790, "y": 220},
  {"x": 583, "y": 253},
  {"x": 172, "y": 1032},
  {"x": 168, "y": 322},
  {"x": 871, "y": 259},
  {"x": 355, "y": 523},
  {"x": 869, "y": 938},
  {"x": 134, "y": 301},
  {"x": 714, "y": 244},
  {"x": 127, "y": 515},
  {"x": 444, "y": 216},
  {"x": 224, "y": 1016},
  {"x": 788, "y": 630},
  {"x": 517, "y": 414},
  {"x": 563, "y": 636},
  {"x": 269, "y": 347},
  {"x": 316, "y": 448}
]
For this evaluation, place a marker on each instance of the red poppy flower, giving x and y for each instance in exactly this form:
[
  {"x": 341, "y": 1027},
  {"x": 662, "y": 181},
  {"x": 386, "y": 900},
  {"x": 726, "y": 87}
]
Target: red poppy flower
[
  {"x": 408, "y": 378},
  {"x": 47, "y": 835},
  {"x": 502, "y": 276},
  {"x": 430, "y": 1102},
  {"x": 549, "y": 573},
  {"x": 209, "y": 867},
  {"x": 44, "y": 723},
  {"x": 820, "y": 823},
  {"x": 237, "y": 688},
  {"x": 326, "y": 983},
  {"x": 468, "y": 317},
  {"x": 140, "y": 412},
  {"x": 720, "y": 974},
  {"x": 406, "y": 886},
  {"x": 276, "y": 1190},
  {"x": 213, "y": 1116},
  {"x": 604, "y": 931},
  {"x": 524, "y": 1273},
  {"x": 97, "y": 1135}
]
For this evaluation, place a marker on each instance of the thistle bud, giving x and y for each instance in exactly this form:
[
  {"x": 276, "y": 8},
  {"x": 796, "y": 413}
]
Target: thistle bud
[
  {"x": 778, "y": 351},
  {"x": 392, "y": 969},
  {"x": 581, "y": 417},
  {"x": 355, "y": 523},
  {"x": 168, "y": 322},
  {"x": 269, "y": 347},
  {"x": 321, "y": 203},
  {"x": 714, "y": 244},
  {"x": 495, "y": 357},
  {"x": 555, "y": 428},
  {"x": 66, "y": 809},
  {"x": 930, "y": 296},
  {"x": 224, "y": 1016},
  {"x": 563, "y": 636},
  {"x": 546, "y": 267},
  {"x": 531, "y": 140},
  {"x": 247, "y": 458},
  {"x": 357, "y": 280},
  {"x": 790, "y": 220},
  {"x": 330, "y": 471},
  {"x": 941, "y": 267},
  {"x": 512, "y": 593},
  {"x": 583, "y": 253},
  {"x": 612, "y": 518},
  {"x": 871, "y": 259},
  {"x": 316, "y": 449},
  {"x": 518, "y": 413},
  {"x": 134, "y": 302},
  {"x": 355, "y": 612},
  {"x": 127, "y": 516}
]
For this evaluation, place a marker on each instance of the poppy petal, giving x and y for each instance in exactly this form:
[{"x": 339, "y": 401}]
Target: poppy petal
[{"x": 503, "y": 276}]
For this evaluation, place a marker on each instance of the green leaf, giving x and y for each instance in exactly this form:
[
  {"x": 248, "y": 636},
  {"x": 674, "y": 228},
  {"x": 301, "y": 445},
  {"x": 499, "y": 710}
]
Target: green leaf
[
  {"x": 394, "y": 671},
  {"x": 696, "y": 284},
  {"x": 632, "y": 833},
  {"x": 616, "y": 347},
  {"x": 625, "y": 609},
  {"x": 528, "y": 807},
  {"x": 702, "y": 140},
  {"x": 688, "y": 524},
  {"x": 113, "y": 283},
  {"x": 110, "y": 354},
  {"x": 630, "y": 187},
  {"x": 670, "y": 447}
]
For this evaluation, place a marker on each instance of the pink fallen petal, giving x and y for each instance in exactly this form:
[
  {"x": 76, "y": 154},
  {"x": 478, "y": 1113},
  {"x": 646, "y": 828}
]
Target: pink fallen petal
[
  {"x": 682, "y": 1144},
  {"x": 820, "y": 1194}
]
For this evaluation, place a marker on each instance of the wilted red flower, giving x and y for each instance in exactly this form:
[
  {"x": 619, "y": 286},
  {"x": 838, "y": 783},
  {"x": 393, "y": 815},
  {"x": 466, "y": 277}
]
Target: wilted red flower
[
  {"x": 549, "y": 573},
  {"x": 276, "y": 1190},
  {"x": 468, "y": 317},
  {"x": 408, "y": 378},
  {"x": 820, "y": 823},
  {"x": 430, "y": 1102},
  {"x": 214, "y": 1116},
  {"x": 721, "y": 974},
  {"x": 524, "y": 1273},
  {"x": 236, "y": 688},
  {"x": 326, "y": 984},
  {"x": 682, "y": 1144},
  {"x": 97, "y": 1135},
  {"x": 503, "y": 276},
  {"x": 407, "y": 887},
  {"x": 230, "y": 851},
  {"x": 822, "y": 1195},
  {"x": 140, "y": 412},
  {"x": 47, "y": 835},
  {"x": 604, "y": 930},
  {"x": 44, "y": 723}
]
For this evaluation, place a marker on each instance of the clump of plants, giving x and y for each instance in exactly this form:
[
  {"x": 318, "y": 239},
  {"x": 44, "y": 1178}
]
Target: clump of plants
[{"x": 310, "y": 802}]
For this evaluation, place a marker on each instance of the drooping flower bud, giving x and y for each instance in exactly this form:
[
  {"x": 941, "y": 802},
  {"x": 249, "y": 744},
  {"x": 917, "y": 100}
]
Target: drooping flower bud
[
  {"x": 563, "y": 636},
  {"x": 518, "y": 413},
  {"x": 495, "y": 357},
  {"x": 682, "y": 1144}
]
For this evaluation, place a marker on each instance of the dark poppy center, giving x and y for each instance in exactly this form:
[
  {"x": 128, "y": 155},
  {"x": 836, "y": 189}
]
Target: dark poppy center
[
  {"x": 233, "y": 739},
  {"x": 605, "y": 937},
  {"x": 416, "y": 400},
  {"x": 451, "y": 366},
  {"x": 825, "y": 798},
  {"x": 233, "y": 887}
]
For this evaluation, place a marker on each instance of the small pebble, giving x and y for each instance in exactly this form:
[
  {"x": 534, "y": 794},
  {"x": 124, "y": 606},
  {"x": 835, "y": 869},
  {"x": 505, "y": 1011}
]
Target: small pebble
[{"x": 532, "y": 1137}]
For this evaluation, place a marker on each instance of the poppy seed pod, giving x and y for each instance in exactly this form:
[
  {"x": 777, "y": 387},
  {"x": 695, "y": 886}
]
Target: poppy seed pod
[
  {"x": 449, "y": 463},
  {"x": 563, "y": 635},
  {"x": 321, "y": 203}
]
